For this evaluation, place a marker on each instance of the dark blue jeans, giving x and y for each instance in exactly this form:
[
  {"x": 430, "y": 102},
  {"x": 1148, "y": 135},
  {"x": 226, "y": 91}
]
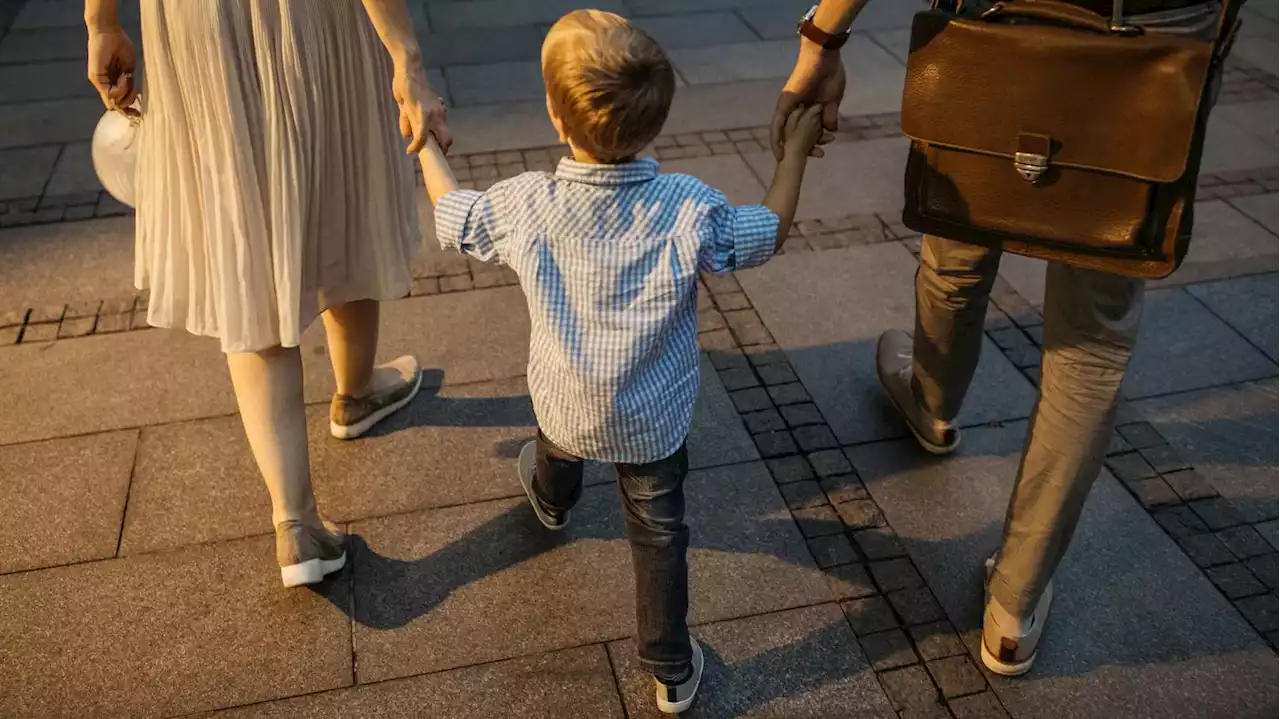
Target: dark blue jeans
[{"x": 653, "y": 506}]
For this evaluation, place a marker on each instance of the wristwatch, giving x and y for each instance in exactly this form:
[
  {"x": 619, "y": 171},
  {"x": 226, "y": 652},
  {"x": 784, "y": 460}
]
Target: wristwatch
[{"x": 821, "y": 37}]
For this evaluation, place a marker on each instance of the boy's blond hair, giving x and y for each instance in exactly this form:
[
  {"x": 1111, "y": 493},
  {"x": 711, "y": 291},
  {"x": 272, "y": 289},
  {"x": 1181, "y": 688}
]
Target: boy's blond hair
[{"x": 609, "y": 83}]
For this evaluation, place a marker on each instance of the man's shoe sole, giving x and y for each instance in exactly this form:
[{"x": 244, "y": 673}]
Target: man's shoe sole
[
  {"x": 939, "y": 450},
  {"x": 1007, "y": 670},
  {"x": 352, "y": 431},
  {"x": 312, "y": 571},
  {"x": 528, "y": 456}
]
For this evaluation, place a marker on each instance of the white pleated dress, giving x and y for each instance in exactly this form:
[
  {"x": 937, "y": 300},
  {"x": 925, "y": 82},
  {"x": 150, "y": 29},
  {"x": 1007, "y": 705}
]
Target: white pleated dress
[{"x": 272, "y": 178}]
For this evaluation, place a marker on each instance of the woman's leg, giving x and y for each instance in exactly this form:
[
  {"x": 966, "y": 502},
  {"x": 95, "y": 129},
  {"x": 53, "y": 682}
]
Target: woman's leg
[
  {"x": 268, "y": 386},
  {"x": 366, "y": 394}
]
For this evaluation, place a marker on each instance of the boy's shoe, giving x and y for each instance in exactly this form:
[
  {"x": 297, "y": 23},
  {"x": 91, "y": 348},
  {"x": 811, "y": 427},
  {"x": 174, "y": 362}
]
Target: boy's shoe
[
  {"x": 893, "y": 366},
  {"x": 555, "y": 521},
  {"x": 1009, "y": 647},
  {"x": 306, "y": 554},
  {"x": 350, "y": 417},
  {"x": 675, "y": 698}
]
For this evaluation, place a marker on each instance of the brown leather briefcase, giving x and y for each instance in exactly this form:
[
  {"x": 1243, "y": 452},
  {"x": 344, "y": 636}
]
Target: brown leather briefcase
[{"x": 1049, "y": 130}]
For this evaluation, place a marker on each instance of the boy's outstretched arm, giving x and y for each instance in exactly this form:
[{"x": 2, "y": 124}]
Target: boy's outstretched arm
[
  {"x": 803, "y": 130},
  {"x": 436, "y": 172}
]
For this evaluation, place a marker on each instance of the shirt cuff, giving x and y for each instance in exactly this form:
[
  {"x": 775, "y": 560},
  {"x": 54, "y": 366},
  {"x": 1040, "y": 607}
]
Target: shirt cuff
[
  {"x": 755, "y": 235},
  {"x": 452, "y": 212}
]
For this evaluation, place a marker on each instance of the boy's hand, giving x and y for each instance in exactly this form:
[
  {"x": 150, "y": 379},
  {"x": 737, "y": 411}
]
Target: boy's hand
[{"x": 803, "y": 132}]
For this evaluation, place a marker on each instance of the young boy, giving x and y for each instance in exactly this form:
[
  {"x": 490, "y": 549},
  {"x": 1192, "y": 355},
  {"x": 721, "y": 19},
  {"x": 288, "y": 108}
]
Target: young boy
[{"x": 608, "y": 253}]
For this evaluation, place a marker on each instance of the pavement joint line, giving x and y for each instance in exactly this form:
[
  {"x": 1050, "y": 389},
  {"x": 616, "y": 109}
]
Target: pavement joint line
[
  {"x": 128, "y": 491},
  {"x": 760, "y": 350},
  {"x": 1223, "y": 320}
]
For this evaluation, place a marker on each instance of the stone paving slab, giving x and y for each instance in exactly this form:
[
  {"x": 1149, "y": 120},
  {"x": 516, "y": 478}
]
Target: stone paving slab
[
  {"x": 727, "y": 173},
  {"x": 44, "y": 81},
  {"x": 442, "y": 588},
  {"x": 498, "y": 82},
  {"x": 1248, "y": 304},
  {"x": 850, "y": 180},
  {"x": 20, "y": 46},
  {"x": 450, "y": 446},
  {"x": 1135, "y": 629},
  {"x": 1234, "y": 140},
  {"x": 1182, "y": 346},
  {"x": 459, "y": 46},
  {"x": 1229, "y": 435},
  {"x": 827, "y": 310},
  {"x": 49, "y": 121},
  {"x": 505, "y": 13},
  {"x": 794, "y": 664},
  {"x": 23, "y": 171},
  {"x": 40, "y": 14},
  {"x": 1226, "y": 243},
  {"x": 169, "y": 633},
  {"x": 573, "y": 684},
  {"x": 697, "y": 29},
  {"x": 875, "y": 81},
  {"x": 733, "y": 63},
  {"x": 65, "y": 262},
  {"x": 1261, "y": 209},
  {"x": 63, "y": 500},
  {"x": 1258, "y": 50}
]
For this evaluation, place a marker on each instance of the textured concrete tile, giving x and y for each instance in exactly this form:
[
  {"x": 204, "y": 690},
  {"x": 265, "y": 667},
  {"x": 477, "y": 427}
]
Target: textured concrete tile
[
  {"x": 775, "y": 19},
  {"x": 471, "y": 336},
  {"x": 110, "y": 382},
  {"x": 1225, "y": 243},
  {"x": 499, "y": 13},
  {"x": 63, "y": 13},
  {"x": 1183, "y": 346},
  {"x": 169, "y": 633},
  {"x": 717, "y": 435},
  {"x": 1261, "y": 209},
  {"x": 799, "y": 663},
  {"x": 1229, "y": 435},
  {"x": 1248, "y": 304},
  {"x": 31, "y": 46},
  {"x": 675, "y": 32},
  {"x": 1233, "y": 143},
  {"x": 1136, "y": 630},
  {"x": 44, "y": 81},
  {"x": 1026, "y": 274},
  {"x": 701, "y": 108},
  {"x": 74, "y": 174},
  {"x": 827, "y": 309},
  {"x": 671, "y": 7},
  {"x": 64, "y": 262},
  {"x": 455, "y": 586},
  {"x": 497, "y": 82},
  {"x": 48, "y": 121},
  {"x": 896, "y": 42},
  {"x": 63, "y": 500},
  {"x": 510, "y": 126},
  {"x": 1260, "y": 51},
  {"x": 459, "y": 46},
  {"x": 731, "y": 63},
  {"x": 850, "y": 180},
  {"x": 24, "y": 171},
  {"x": 727, "y": 173},
  {"x": 535, "y": 686},
  {"x": 875, "y": 86}
]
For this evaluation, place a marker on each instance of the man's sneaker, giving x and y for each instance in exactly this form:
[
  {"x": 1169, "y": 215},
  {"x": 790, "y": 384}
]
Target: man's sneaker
[
  {"x": 675, "y": 698},
  {"x": 350, "y": 417},
  {"x": 306, "y": 554},
  {"x": 1009, "y": 646},
  {"x": 893, "y": 366},
  {"x": 555, "y": 521}
]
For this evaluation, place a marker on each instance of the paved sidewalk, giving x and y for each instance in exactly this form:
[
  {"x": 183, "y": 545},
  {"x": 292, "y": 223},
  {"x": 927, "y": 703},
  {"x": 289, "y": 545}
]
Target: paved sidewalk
[{"x": 835, "y": 568}]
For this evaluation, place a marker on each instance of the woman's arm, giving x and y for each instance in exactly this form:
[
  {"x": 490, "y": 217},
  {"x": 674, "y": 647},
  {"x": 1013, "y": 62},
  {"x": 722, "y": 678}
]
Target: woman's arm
[{"x": 422, "y": 112}]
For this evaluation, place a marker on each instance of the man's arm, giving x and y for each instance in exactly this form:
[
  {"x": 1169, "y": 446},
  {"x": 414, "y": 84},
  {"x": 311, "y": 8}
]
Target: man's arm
[{"x": 818, "y": 76}]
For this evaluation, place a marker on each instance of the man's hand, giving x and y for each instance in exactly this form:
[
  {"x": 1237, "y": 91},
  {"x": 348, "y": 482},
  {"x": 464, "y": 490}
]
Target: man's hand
[
  {"x": 422, "y": 112},
  {"x": 818, "y": 78}
]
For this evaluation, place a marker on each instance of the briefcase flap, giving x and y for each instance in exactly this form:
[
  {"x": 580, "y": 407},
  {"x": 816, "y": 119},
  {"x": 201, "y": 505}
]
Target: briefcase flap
[{"x": 1124, "y": 105}]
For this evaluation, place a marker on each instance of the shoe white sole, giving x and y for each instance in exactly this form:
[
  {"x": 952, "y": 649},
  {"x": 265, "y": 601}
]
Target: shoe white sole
[
  {"x": 938, "y": 450},
  {"x": 352, "y": 431},
  {"x": 312, "y": 571},
  {"x": 667, "y": 707},
  {"x": 529, "y": 456}
]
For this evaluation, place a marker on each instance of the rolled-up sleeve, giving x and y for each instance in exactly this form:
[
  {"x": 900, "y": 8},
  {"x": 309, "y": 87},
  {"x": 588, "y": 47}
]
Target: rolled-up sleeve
[
  {"x": 740, "y": 237},
  {"x": 466, "y": 223}
]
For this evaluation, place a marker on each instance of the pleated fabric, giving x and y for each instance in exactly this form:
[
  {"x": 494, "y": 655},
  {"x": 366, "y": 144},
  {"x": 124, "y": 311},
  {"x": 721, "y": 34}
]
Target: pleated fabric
[{"x": 272, "y": 179}]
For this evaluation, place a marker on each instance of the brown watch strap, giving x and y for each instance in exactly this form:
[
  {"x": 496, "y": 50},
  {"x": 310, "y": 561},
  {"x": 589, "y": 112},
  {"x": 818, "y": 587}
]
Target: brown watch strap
[{"x": 823, "y": 38}]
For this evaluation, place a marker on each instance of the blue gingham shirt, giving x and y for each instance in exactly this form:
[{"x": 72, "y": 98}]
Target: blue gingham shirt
[{"x": 608, "y": 257}]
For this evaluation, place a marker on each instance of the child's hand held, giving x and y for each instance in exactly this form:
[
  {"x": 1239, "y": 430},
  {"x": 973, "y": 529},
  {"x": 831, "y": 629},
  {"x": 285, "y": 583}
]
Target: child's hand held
[{"x": 804, "y": 130}]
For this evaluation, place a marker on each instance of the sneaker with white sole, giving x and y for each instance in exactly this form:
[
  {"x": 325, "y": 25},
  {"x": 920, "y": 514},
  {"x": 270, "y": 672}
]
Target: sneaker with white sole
[
  {"x": 1010, "y": 646},
  {"x": 350, "y": 417},
  {"x": 893, "y": 367},
  {"x": 555, "y": 521},
  {"x": 678, "y": 697},
  {"x": 306, "y": 554}
]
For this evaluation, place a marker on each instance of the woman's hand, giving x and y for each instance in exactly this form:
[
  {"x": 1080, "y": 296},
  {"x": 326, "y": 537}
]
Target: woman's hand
[
  {"x": 422, "y": 112},
  {"x": 112, "y": 64}
]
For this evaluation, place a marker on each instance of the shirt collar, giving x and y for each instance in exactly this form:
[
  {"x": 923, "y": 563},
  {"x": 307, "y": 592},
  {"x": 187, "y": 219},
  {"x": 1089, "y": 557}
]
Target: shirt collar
[{"x": 627, "y": 173}]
